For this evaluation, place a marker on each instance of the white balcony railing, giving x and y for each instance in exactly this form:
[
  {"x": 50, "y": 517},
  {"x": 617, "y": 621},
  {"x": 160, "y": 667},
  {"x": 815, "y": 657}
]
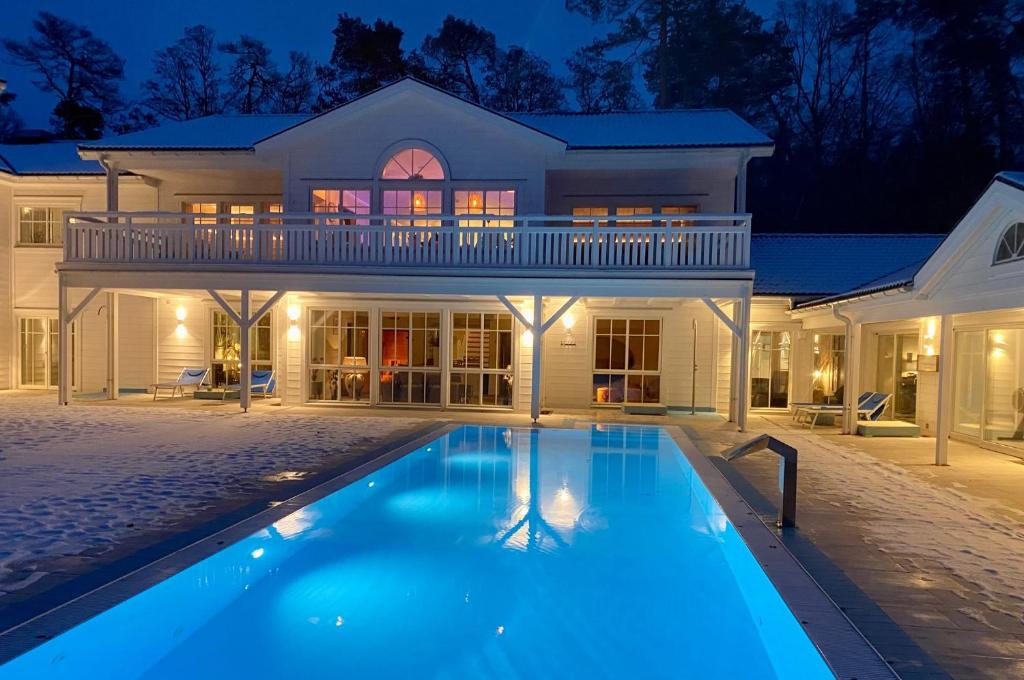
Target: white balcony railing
[{"x": 646, "y": 242}]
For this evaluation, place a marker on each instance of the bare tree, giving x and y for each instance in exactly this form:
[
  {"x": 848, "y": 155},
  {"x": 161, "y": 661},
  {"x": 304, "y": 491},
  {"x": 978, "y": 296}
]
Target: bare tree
[{"x": 186, "y": 78}]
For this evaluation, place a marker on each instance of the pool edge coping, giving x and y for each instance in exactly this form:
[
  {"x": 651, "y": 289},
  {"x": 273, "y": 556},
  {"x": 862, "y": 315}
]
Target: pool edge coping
[
  {"x": 848, "y": 654},
  {"x": 25, "y": 636}
]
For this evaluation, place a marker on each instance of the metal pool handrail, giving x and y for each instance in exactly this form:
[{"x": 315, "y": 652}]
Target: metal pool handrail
[{"x": 787, "y": 471}]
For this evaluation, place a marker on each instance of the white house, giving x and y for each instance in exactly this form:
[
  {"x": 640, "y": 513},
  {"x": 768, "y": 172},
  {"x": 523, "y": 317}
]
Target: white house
[{"x": 412, "y": 249}]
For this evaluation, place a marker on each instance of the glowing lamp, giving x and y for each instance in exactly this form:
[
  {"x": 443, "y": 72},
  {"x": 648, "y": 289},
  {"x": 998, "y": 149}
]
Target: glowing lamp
[
  {"x": 180, "y": 331},
  {"x": 180, "y": 313},
  {"x": 293, "y": 312},
  {"x": 568, "y": 320},
  {"x": 294, "y": 334}
]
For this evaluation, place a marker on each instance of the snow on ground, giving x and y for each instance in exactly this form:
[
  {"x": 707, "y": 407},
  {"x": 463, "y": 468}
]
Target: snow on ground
[
  {"x": 85, "y": 477},
  {"x": 906, "y": 516}
]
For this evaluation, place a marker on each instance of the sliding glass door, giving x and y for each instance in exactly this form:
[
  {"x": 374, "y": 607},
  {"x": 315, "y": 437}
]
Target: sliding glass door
[
  {"x": 769, "y": 369},
  {"x": 989, "y": 385},
  {"x": 39, "y": 353},
  {"x": 896, "y": 374}
]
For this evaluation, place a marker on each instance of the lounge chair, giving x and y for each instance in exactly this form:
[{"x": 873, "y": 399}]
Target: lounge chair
[
  {"x": 799, "y": 406},
  {"x": 871, "y": 408},
  {"x": 262, "y": 382},
  {"x": 189, "y": 377}
]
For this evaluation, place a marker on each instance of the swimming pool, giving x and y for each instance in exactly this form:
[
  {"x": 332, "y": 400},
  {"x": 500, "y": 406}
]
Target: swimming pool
[{"x": 490, "y": 552}]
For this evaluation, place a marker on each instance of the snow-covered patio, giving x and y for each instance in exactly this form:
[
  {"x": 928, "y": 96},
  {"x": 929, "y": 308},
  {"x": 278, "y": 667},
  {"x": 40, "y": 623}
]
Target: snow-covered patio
[
  {"x": 90, "y": 478},
  {"x": 938, "y": 549}
]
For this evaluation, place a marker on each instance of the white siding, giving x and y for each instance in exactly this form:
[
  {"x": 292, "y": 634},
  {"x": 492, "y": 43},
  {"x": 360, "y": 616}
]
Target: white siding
[
  {"x": 173, "y": 352},
  {"x": 8, "y": 332},
  {"x": 723, "y": 391}
]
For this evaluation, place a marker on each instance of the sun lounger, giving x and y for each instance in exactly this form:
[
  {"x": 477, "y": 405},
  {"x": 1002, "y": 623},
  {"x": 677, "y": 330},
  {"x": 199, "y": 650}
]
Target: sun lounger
[
  {"x": 799, "y": 406},
  {"x": 262, "y": 382},
  {"x": 189, "y": 377},
  {"x": 871, "y": 408}
]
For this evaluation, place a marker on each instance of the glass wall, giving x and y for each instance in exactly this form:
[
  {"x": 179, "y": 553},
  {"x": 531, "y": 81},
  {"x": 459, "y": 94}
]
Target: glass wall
[
  {"x": 481, "y": 359},
  {"x": 627, "y": 358},
  {"x": 339, "y": 344},
  {"x": 769, "y": 369},
  {"x": 896, "y": 373},
  {"x": 989, "y": 385},
  {"x": 829, "y": 376},
  {"x": 410, "y": 358},
  {"x": 227, "y": 347}
]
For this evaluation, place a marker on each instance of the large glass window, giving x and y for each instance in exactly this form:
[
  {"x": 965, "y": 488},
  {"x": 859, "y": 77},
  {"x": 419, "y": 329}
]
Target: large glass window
[
  {"x": 40, "y": 226},
  {"x": 39, "y": 353},
  {"x": 627, "y": 355},
  {"x": 896, "y": 374},
  {"x": 969, "y": 381},
  {"x": 241, "y": 213},
  {"x": 492, "y": 202},
  {"x": 481, "y": 355},
  {"x": 829, "y": 376},
  {"x": 591, "y": 212},
  {"x": 413, "y": 164},
  {"x": 634, "y": 210},
  {"x": 769, "y": 369},
  {"x": 412, "y": 202},
  {"x": 1011, "y": 244},
  {"x": 227, "y": 348},
  {"x": 339, "y": 345},
  {"x": 201, "y": 209},
  {"x": 352, "y": 201},
  {"x": 679, "y": 210},
  {"x": 1004, "y": 390},
  {"x": 410, "y": 358}
]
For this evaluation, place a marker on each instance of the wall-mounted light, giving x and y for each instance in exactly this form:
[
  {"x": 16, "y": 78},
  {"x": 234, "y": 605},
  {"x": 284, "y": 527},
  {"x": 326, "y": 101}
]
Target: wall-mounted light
[
  {"x": 294, "y": 334},
  {"x": 180, "y": 314}
]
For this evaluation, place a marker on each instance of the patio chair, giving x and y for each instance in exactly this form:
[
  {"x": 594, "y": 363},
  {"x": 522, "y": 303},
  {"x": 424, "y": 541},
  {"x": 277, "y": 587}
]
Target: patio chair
[
  {"x": 871, "y": 408},
  {"x": 189, "y": 377},
  {"x": 262, "y": 382},
  {"x": 799, "y": 406}
]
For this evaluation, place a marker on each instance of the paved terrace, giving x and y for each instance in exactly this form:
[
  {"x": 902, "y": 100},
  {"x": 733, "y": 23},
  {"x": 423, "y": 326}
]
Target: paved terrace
[{"x": 926, "y": 561}]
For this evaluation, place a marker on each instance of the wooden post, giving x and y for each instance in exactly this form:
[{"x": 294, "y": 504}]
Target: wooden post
[
  {"x": 63, "y": 345},
  {"x": 113, "y": 348},
  {"x": 851, "y": 390},
  {"x": 538, "y": 316},
  {"x": 944, "y": 416},
  {"x": 743, "y": 396},
  {"x": 245, "y": 394}
]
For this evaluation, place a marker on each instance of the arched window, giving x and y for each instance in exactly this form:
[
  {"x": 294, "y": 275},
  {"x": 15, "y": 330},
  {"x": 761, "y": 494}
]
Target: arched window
[
  {"x": 1011, "y": 244},
  {"x": 413, "y": 164}
]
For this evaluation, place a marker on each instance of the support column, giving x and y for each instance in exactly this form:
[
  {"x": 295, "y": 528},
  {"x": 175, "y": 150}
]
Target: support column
[
  {"x": 944, "y": 417},
  {"x": 63, "y": 345},
  {"x": 113, "y": 176},
  {"x": 538, "y": 344},
  {"x": 113, "y": 348},
  {"x": 245, "y": 394},
  {"x": 743, "y": 379},
  {"x": 851, "y": 390}
]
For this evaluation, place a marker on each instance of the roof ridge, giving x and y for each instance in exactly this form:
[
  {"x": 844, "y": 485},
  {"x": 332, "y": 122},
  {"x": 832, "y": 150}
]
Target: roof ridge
[
  {"x": 621, "y": 112},
  {"x": 847, "y": 234}
]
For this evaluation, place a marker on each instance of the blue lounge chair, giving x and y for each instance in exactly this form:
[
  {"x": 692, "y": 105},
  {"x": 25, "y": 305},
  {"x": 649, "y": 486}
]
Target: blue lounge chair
[
  {"x": 871, "y": 408},
  {"x": 799, "y": 406},
  {"x": 262, "y": 382},
  {"x": 189, "y": 377}
]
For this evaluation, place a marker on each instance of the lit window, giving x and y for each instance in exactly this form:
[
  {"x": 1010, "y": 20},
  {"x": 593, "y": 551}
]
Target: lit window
[
  {"x": 485, "y": 203},
  {"x": 352, "y": 201},
  {"x": 412, "y": 203},
  {"x": 1011, "y": 244},
  {"x": 413, "y": 164},
  {"x": 627, "y": 361},
  {"x": 237, "y": 210},
  {"x": 202, "y": 209},
  {"x": 40, "y": 226},
  {"x": 338, "y": 352},
  {"x": 679, "y": 210},
  {"x": 410, "y": 358},
  {"x": 627, "y": 211},
  {"x": 585, "y": 211}
]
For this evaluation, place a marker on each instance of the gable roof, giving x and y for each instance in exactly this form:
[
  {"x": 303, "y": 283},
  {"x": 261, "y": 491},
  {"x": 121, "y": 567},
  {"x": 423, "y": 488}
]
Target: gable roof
[
  {"x": 51, "y": 158},
  {"x": 670, "y": 128},
  {"x": 824, "y": 265},
  {"x": 678, "y": 128}
]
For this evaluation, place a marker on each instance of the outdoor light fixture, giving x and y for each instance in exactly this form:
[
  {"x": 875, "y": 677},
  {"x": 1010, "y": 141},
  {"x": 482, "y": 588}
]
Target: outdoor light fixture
[
  {"x": 293, "y": 328},
  {"x": 180, "y": 329}
]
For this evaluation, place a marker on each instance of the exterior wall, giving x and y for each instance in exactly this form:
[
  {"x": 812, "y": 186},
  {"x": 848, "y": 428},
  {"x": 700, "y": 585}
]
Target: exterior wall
[
  {"x": 174, "y": 350},
  {"x": 349, "y": 152},
  {"x": 8, "y": 331},
  {"x": 567, "y": 370},
  {"x": 711, "y": 190},
  {"x": 198, "y": 186}
]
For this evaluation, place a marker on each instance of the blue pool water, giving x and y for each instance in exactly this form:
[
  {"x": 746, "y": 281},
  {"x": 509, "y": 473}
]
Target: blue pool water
[{"x": 492, "y": 552}]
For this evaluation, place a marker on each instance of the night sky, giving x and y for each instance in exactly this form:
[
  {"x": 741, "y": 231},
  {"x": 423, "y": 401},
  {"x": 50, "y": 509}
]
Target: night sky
[{"x": 137, "y": 28}]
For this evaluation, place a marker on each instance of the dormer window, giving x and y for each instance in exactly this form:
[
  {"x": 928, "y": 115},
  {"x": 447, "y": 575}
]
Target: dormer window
[
  {"x": 413, "y": 164},
  {"x": 1011, "y": 244}
]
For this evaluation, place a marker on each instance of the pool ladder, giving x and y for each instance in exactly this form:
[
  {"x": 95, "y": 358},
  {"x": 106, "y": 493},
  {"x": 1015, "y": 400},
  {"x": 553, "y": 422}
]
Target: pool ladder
[{"x": 787, "y": 472}]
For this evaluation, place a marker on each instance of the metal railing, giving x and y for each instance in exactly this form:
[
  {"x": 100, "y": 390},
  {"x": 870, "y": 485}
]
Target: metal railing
[
  {"x": 649, "y": 242},
  {"x": 787, "y": 472}
]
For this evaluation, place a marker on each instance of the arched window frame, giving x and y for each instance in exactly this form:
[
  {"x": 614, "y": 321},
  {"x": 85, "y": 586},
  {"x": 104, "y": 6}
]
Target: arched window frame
[
  {"x": 1010, "y": 246},
  {"x": 443, "y": 185}
]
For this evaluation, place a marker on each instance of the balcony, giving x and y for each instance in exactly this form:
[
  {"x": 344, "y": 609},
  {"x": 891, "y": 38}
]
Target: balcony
[{"x": 446, "y": 244}]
